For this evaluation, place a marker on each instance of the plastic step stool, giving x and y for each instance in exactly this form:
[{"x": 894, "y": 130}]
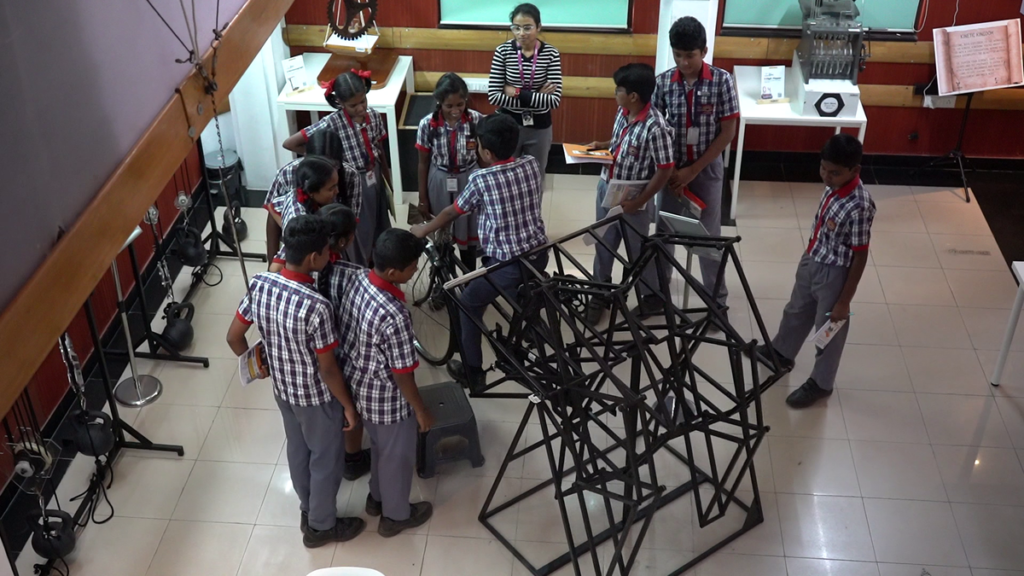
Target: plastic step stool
[{"x": 454, "y": 435}]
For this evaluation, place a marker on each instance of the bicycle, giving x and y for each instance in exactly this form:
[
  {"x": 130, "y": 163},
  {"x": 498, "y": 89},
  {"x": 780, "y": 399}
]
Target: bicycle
[{"x": 434, "y": 319}]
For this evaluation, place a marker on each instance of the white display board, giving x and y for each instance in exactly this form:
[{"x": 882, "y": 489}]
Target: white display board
[
  {"x": 706, "y": 11},
  {"x": 978, "y": 57}
]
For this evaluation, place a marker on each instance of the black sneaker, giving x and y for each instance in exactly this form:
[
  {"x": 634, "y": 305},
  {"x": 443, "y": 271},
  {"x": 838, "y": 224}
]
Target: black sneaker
[
  {"x": 472, "y": 378},
  {"x": 344, "y": 530},
  {"x": 806, "y": 395},
  {"x": 356, "y": 465},
  {"x": 373, "y": 507},
  {"x": 765, "y": 356},
  {"x": 650, "y": 305},
  {"x": 595, "y": 311},
  {"x": 418, "y": 515}
]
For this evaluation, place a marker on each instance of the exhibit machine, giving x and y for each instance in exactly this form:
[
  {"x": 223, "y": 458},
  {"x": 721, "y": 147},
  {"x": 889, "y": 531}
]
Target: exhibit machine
[{"x": 830, "y": 56}]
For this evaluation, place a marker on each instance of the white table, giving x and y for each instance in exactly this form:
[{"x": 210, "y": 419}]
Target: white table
[
  {"x": 383, "y": 100},
  {"x": 748, "y": 88},
  {"x": 1018, "y": 271}
]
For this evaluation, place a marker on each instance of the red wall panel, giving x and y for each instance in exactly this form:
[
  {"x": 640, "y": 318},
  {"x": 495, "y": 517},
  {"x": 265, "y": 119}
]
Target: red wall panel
[{"x": 991, "y": 133}]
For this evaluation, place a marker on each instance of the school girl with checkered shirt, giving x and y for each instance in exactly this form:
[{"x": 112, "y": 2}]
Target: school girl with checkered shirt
[
  {"x": 318, "y": 181},
  {"x": 446, "y": 140},
  {"x": 641, "y": 146},
  {"x": 324, "y": 143},
  {"x": 362, "y": 131},
  {"x": 298, "y": 330},
  {"x": 700, "y": 103},
  {"x": 829, "y": 271},
  {"x": 506, "y": 195},
  {"x": 379, "y": 360}
]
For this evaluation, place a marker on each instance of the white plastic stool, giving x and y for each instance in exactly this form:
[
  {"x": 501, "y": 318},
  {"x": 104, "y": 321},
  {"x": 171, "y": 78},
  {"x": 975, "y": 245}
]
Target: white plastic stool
[{"x": 342, "y": 571}]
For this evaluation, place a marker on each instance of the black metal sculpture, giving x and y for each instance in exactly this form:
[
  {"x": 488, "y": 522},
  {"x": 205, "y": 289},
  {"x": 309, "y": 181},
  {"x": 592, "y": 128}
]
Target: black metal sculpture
[{"x": 621, "y": 404}]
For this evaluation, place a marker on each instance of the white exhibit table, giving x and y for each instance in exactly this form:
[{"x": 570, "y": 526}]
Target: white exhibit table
[
  {"x": 1018, "y": 303},
  {"x": 383, "y": 100},
  {"x": 748, "y": 88}
]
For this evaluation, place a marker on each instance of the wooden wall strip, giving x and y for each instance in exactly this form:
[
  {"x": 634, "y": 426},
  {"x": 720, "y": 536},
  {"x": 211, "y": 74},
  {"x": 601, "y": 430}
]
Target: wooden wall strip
[
  {"x": 47, "y": 303},
  {"x": 735, "y": 47}
]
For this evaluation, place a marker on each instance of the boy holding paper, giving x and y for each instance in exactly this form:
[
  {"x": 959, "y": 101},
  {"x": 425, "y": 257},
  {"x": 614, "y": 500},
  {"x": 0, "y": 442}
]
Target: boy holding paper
[
  {"x": 829, "y": 271},
  {"x": 700, "y": 103},
  {"x": 641, "y": 148}
]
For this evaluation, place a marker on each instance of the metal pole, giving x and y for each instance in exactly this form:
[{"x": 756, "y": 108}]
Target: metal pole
[{"x": 143, "y": 389}]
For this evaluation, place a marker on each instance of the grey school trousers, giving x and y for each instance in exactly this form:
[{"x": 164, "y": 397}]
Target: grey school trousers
[
  {"x": 604, "y": 259},
  {"x": 708, "y": 187},
  {"x": 392, "y": 465},
  {"x": 316, "y": 457},
  {"x": 535, "y": 142},
  {"x": 815, "y": 292}
]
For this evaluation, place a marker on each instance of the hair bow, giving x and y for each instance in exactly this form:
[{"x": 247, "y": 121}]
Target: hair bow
[
  {"x": 328, "y": 88},
  {"x": 364, "y": 74},
  {"x": 301, "y": 196}
]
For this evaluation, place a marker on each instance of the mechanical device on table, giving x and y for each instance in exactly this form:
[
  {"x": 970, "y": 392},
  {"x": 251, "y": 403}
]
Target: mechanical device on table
[{"x": 830, "y": 56}]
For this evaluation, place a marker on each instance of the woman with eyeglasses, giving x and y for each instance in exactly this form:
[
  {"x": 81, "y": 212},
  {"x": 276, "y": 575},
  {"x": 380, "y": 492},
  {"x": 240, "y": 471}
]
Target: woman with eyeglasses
[{"x": 526, "y": 83}]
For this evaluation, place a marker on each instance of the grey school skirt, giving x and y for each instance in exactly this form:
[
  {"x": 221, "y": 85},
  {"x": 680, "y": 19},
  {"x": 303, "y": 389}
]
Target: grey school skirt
[
  {"x": 374, "y": 219},
  {"x": 464, "y": 229}
]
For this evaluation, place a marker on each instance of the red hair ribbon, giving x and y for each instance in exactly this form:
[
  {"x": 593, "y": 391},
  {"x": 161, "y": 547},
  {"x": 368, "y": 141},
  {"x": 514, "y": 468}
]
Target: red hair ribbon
[
  {"x": 328, "y": 88},
  {"x": 364, "y": 74},
  {"x": 301, "y": 196}
]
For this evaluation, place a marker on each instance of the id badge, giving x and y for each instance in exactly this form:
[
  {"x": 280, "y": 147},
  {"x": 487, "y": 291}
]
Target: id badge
[
  {"x": 692, "y": 135},
  {"x": 452, "y": 184},
  {"x": 527, "y": 118},
  {"x": 604, "y": 173},
  {"x": 371, "y": 178}
]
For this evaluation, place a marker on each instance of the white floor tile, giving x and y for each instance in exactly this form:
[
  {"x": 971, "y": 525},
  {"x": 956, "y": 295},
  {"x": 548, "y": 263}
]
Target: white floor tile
[
  {"x": 728, "y": 564},
  {"x": 121, "y": 547},
  {"x": 897, "y": 471},
  {"x": 991, "y": 535},
  {"x": 224, "y": 492},
  {"x": 458, "y": 503},
  {"x": 904, "y": 217},
  {"x": 869, "y": 290},
  {"x": 1011, "y": 410},
  {"x": 211, "y": 331},
  {"x": 193, "y": 385},
  {"x": 938, "y": 194},
  {"x": 915, "y": 286},
  {"x": 987, "y": 327},
  {"x": 200, "y": 548},
  {"x": 823, "y": 420},
  {"x": 968, "y": 252},
  {"x": 809, "y": 567},
  {"x": 813, "y": 466},
  {"x": 765, "y": 539},
  {"x": 238, "y": 435},
  {"x": 257, "y": 396},
  {"x": 148, "y": 487},
  {"x": 281, "y": 504},
  {"x": 186, "y": 426},
  {"x": 771, "y": 244},
  {"x": 275, "y": 550},
  {"x": 873, "y": 325},
  {"x": 945, "y": 371},
  {"x": 445, "y": 555},
  {"x": 866, "y": 367},
  {"x": 918, "y": 570},
  {"x": 914, "y": 532},
  {"x": 883, "y": 416},
  {"x": 930, "y": 326},
  {"x": 400, "y": 555},
  {"x": 981, "y": 475},
  {"x": 901, "y": 249},
  {"x": 953, "y": 218},
  {"x": 963, "y": 420},
  {"x": 827, "y": 527},
  {"x": 983, "y": 288},
  {"x": 1012, "y": 382}
]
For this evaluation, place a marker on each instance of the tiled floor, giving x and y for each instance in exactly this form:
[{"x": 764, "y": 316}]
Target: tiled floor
[{"x": 912, "y": 468}]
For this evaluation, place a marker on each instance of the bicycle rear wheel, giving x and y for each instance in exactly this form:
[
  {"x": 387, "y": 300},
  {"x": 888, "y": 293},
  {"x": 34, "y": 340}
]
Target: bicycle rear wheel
[{"x": 431, "y": 315}]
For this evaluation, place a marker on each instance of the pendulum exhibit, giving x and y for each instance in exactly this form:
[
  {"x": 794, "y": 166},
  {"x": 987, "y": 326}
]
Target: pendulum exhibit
[{"x": 136, "y": 390}]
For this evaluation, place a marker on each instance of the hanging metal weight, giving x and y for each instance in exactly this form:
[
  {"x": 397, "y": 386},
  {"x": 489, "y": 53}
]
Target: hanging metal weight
[
  {"x": 178, "y": 333},
  {"x": 53, "y": 533}
]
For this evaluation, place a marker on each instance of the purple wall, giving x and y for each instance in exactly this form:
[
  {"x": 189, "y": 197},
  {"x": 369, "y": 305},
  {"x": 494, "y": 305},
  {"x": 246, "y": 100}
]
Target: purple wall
[{"x": 80, "y": 81}]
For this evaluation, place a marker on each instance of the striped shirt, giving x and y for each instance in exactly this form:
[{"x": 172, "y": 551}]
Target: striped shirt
[
  {"x": 440, "y": 140},
  {"x": 296, "y": 323},
  {"x": 544, "y": 67},
  {"x": 506, "y": 198},
  {"x": 842, "y": 225}
]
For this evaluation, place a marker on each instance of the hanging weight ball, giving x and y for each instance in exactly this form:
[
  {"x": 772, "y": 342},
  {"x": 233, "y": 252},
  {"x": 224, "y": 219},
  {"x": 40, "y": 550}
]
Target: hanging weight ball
[
  {"x": 178, "y": 333},
  {"x": 240, "y": 225},
  {"x": 53, "y": 533},
  {"x": 94, "y": 432},
  {"x": 190, "y": 247}
]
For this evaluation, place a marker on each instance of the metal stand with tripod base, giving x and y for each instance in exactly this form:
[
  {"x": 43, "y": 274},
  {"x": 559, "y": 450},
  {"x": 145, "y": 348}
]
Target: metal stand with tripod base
[{"x": 956, "y": 157}]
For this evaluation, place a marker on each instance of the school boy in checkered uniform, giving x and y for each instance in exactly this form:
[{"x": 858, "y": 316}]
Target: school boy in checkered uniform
[
  {"x": 378, "y": 359},
  {"x": 829, "y": 271},
  {"x": 299, "y": 335},
  {"x": 641, "y": 145},
  {"x": 700, "y": 103},
  {"x": 506, "y": 196}
]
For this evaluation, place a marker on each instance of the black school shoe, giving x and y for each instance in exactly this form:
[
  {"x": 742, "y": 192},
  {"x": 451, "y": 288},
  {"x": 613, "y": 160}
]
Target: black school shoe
[
  {"x": 650, "y": 305},
  {"x": 344, "y": 530},
  {"x": 418, "y": 515},
  {"x": 595, "y": 311},
  {"x": 356, "y": 465},
  {"x": 373, "y": 507},
  {"x": 473, "y": 378},
  {"x": 304, "y": 522},
  {"x": 806, "y": 395}
]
